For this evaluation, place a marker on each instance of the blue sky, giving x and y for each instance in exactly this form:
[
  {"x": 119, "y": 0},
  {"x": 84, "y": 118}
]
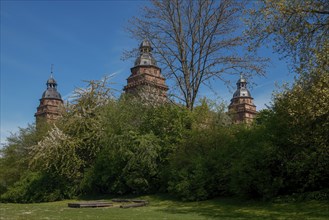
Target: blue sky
[{"x": 84, "y": 40}]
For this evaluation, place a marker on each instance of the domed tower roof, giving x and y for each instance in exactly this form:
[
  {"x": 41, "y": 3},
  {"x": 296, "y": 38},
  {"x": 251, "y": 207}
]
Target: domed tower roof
[
  {"x": 145, "y": 58},
  {"x": 51, "y": 91},
  {"x": 241, "y": 90}
]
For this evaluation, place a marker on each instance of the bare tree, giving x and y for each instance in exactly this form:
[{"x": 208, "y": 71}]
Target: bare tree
[{"x": 195, "y": 41}]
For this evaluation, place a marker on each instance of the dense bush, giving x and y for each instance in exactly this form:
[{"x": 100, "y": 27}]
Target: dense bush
[
  {"x": 127, "y": 164},
  {"x": 300, "y": 127},
  {"x": 199, "y": 168},
  {"x": 38, "y": 187},
  {"x": 139, "y": 139},
  {"x": 255, "y": 170},
  {"x": 121, "y": 146},
  {"x": 14, "y": 155},
  {"x": 284, "y": 152}
]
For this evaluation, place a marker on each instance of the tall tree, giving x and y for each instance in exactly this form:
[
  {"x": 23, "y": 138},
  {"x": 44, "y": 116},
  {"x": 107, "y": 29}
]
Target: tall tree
[
  {"x": 195, "y": 41},
  {"x": 72, "y": 146},
  {"x": 299, "y": 28}
]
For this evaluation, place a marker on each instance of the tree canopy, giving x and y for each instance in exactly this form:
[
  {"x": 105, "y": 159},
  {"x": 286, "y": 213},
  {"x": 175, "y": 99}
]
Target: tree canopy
[{"x": 299, "y": 29}]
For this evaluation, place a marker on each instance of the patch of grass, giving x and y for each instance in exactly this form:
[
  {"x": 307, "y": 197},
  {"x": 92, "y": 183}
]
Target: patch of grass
[{"x": 163, "y": 207}]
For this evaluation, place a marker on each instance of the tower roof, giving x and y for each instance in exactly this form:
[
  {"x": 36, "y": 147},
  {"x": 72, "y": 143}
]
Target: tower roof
[
  {"x": 241, "y": 90},
  {"x": 145, "y": 58},
  {"x": 51, "y": 91},
  {"x": 146, "y": 43}
]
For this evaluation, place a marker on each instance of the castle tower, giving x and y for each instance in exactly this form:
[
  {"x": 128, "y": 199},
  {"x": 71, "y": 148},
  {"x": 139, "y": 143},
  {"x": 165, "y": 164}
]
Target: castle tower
[
  {"x": 51, "y": 103},
  {"x": 242, "y": 105},
  {"x": 146, "y": 80}
]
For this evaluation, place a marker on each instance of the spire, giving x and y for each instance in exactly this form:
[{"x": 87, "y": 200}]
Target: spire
[
  {"x": 51, "y": 82},
  {"x": 51, "y": 70}
]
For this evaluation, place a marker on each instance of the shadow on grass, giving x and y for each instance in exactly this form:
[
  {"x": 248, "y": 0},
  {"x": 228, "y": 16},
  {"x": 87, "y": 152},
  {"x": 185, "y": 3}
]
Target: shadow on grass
[
  {"x": 231, "y": 208},
  {"x": 228, "y": 208}
]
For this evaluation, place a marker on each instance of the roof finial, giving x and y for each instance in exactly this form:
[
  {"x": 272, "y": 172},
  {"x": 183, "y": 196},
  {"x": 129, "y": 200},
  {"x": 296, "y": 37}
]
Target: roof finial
[{"x": 51, "y": 70}]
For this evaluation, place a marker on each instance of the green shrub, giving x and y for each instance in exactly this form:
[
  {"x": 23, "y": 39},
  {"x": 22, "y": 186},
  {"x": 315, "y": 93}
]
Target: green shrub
[
  {"x": 127, "y": 164},
  {"x": 199, "y": 168},
  {"x": 38, "y": 187},
  {"x": 255, "y": 171}
]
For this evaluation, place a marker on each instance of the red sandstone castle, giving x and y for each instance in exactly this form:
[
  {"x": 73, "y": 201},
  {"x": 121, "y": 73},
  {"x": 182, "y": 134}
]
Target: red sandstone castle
[
  {"x": 51, "y": 103},
  {"x": 147, "y": 82},
  {"x": 242, "y": 106}
]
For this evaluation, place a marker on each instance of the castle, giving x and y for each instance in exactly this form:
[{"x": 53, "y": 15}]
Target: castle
[
  {"x": 51, "y": 103},
  {"x": 242, "y": 106},
  {"x": 147, "y": 82}
]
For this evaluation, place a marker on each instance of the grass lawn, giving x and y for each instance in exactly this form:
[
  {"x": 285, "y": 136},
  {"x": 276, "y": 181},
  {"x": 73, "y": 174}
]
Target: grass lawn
[{"x": 162, "y": 207}]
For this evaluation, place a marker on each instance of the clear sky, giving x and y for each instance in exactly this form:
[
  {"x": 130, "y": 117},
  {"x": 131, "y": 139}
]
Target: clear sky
[{"x": 84, "y": 40}]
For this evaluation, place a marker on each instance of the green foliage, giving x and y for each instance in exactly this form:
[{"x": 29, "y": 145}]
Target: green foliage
[
  {"x": 83, "y": 118},
  {"x": 298, "y": 28},
  {"x": 128, "y": 164},
  {"x": 139, "y": 139},
  {"x": 38, "y": 187},
  {"x": 298, "y": 124},
  {"x": 15, "y": 157},
  {"x": 65, "y": 150},
  {"x": 58, "y": 153},
  {"x": 285, "y": 151},
  {"x": 124, "y": 146},
  {"x": 199, "y": 167},
  {"x": 170, "y": 124},
  {"x": 167, "y": 124},
  {"x": 255, "y": 171},
  {"x": 125, "y": 114},
  {"x": 303, "y": 112}
]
